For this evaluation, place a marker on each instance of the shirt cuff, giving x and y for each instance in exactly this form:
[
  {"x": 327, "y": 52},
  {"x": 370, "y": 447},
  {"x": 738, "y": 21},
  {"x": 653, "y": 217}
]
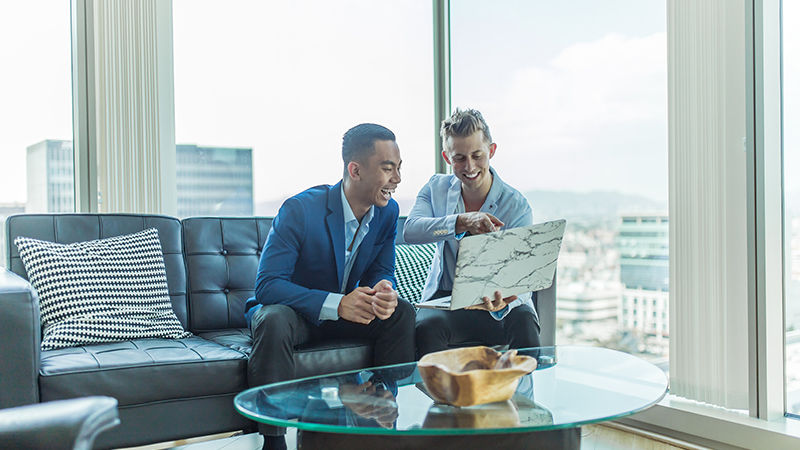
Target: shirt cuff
[
  {"x": 330, "y": 307},
  {"x": 499, "y": 315},
  {"x": 460, "y": 235}
]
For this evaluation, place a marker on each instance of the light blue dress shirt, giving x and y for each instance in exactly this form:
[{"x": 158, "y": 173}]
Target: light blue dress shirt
[{"x": 355, "y": 234}]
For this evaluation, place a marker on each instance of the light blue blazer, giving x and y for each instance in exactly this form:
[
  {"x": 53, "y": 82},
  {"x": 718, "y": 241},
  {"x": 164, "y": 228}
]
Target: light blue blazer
[{"x": 432, "y": 220}]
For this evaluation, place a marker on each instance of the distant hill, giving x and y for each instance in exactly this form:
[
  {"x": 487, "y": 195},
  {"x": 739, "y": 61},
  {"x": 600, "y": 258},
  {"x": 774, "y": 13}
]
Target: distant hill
[
  {"x": 580, "y": 208},
  {"x": 589, "y": 208}
]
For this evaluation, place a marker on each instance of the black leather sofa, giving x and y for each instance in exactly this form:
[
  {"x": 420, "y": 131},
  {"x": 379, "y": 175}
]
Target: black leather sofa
[{"x": 166, "y": 389}]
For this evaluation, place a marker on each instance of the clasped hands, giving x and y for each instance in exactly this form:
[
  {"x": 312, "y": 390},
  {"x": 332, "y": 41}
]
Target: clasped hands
[{"x": 364, "y": 304}]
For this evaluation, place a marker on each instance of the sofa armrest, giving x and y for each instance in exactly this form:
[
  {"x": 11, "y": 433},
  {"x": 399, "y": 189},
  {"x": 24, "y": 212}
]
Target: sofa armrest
[
  {"x": 20, "y": 333},
  {"x": 69, "y": 424}
]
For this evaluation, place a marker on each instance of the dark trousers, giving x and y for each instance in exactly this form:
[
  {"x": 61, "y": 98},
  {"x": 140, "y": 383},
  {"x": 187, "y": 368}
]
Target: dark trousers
[
  {"x": 278, "y": 329},
  {"x": 440, "y": 330}
]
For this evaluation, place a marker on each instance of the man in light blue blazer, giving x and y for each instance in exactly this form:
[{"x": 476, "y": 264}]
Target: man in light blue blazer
[
  {"x": 473, "y": 200},
  {"x": 327, "y": 268}
]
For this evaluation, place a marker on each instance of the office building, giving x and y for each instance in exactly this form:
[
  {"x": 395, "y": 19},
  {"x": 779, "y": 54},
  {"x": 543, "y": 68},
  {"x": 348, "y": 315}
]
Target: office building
[
  {"x": 643, "y": 244},
  {"x": 214, "y": 181},
  {"x": 50, "y": 185},
  {"x": 211, "y": 180}
]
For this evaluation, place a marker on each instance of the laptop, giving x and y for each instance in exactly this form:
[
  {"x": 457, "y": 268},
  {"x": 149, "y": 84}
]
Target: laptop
[{"x": 511, "y": 261}]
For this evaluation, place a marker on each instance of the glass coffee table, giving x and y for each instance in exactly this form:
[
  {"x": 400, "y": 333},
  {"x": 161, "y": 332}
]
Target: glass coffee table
[{"x": 388, "y": 407}]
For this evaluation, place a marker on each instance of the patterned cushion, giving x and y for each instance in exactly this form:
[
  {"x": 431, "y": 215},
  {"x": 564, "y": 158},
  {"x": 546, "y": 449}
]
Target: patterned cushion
[
  {"x": 106, "y": 290},
  {"x": 413, "y": 262}
]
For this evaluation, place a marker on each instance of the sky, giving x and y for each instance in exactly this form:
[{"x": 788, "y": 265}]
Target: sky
[{"x": 574, "y": 91}]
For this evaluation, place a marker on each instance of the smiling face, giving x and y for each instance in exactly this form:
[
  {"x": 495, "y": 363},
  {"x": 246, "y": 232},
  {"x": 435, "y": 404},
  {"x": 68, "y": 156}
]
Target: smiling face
[
  {"x": 374, "y": 181},
  {"x": 470, "y": 157}
]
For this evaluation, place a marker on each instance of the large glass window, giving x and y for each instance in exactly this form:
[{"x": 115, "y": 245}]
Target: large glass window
[
  {"x": 35, "y": 87},
  {"x": 575, "y": 94},
  {"x": 791, "y": 164},
  {"x": 264, "y": 92}
]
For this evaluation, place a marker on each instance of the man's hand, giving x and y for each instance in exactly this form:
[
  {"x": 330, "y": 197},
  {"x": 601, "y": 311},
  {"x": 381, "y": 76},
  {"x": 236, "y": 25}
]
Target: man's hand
[
  {"x": 357, "y": 305},
  {"x": 385, "y": 300},
  {"x": 494, "y": 305},
  {"x": 368, "y": 402},
  {"x": 477, "y": 223}
]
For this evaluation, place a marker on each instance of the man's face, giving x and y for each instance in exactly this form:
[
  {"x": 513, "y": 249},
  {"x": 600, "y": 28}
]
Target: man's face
[
  {"x": 379, "y": 175},
  {"x": 469, "y": 157}
]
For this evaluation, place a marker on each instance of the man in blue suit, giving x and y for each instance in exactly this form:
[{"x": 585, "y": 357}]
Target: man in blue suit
[
  {"x": 327, "y": 268},
  {"x": 473, "y": 200}
]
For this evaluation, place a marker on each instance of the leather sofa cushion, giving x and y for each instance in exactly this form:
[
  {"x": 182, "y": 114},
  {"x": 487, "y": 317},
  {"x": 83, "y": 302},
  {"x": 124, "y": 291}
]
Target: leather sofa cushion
[
  {"x": 315, "y": 358},
  {"x": 143, "y": 371}
]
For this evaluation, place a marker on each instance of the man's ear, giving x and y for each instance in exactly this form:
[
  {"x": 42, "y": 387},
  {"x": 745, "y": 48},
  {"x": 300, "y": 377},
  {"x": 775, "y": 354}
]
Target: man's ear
[
  {"x": 446, "y": 159},
  {"x": 492, "y": 148},
  {"x": 354, "y": 169}
]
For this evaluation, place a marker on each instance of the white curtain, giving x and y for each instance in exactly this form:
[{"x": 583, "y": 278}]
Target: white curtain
[
  {"x": 708, "y": 204},
  {"x": 134, "y": 101}
]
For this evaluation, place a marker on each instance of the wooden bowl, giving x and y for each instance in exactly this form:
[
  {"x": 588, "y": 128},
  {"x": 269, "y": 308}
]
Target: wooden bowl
[{"x": 473, "y": 375}]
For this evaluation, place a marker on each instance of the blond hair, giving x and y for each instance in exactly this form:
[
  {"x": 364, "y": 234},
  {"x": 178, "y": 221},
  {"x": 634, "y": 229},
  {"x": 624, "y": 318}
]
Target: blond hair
[{"x": 463, "y": 123}]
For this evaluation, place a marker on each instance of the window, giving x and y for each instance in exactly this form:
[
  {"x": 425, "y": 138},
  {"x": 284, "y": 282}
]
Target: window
[
  {"x": 35, "y": 85},
  {"x": 565, "y": 117},
  {"x": 289, "y": 78}
]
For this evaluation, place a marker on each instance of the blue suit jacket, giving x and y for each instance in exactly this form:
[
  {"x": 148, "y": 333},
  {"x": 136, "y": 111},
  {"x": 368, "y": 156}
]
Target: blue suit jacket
[{"x": 303, "y": 257}]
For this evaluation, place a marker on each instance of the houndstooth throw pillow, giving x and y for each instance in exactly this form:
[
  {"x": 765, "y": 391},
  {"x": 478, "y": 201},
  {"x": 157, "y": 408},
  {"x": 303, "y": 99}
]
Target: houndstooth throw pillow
[
  {"x": 412, "y": 264},
  {"x": 105, "y": 290}
]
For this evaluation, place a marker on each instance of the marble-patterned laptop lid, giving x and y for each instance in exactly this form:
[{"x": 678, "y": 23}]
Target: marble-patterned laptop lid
[{"x": 512, "y": 261}]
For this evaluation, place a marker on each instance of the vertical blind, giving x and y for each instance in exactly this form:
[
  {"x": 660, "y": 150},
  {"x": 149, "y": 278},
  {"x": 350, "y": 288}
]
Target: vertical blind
[
  {"x": 134, "y": 104},
  {"x": 708, "y": 202}
]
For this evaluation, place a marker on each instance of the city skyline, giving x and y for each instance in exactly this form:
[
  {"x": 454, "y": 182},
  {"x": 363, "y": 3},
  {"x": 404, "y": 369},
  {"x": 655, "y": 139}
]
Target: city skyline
[{"x": 208, "y": 180}]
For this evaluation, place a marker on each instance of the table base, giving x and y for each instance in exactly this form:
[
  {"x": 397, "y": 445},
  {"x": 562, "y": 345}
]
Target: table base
[{"x": 566, "y": 438}]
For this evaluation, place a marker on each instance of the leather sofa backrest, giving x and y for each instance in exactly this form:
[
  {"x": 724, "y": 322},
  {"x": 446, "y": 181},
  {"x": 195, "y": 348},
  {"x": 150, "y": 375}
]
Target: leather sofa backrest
[
  {"x": 69, "y": 228},
  {"x": 222, "y": 256}
]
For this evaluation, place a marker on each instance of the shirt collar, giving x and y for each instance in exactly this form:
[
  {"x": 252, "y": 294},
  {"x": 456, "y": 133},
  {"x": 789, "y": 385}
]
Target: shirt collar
[{"x": 347, "y": 211}]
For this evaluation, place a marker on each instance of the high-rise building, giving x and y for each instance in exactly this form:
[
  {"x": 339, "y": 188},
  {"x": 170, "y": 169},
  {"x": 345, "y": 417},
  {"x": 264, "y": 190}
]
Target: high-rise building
[
  {"x": 588, "y": 302},
  {"x": 214, "y": 181},
  {"x": 50, "y": 185},
  {"x": 643, "y": 244},
  {"x": 588, "y": 281}
]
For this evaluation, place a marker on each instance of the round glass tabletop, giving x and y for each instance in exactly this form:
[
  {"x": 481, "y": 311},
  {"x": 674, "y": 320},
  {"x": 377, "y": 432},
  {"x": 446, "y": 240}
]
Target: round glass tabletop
[{"x": 570, "y": 387}]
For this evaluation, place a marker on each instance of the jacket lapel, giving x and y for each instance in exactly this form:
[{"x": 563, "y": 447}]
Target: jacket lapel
[
  {"x": 335, "y": 222},
  {"x": 453, "y": 192},
  {"x": 490, "y": 205}
]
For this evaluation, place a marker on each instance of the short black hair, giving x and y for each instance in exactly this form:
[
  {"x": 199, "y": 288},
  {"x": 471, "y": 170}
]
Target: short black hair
[{"x": 359, "y": 142}]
